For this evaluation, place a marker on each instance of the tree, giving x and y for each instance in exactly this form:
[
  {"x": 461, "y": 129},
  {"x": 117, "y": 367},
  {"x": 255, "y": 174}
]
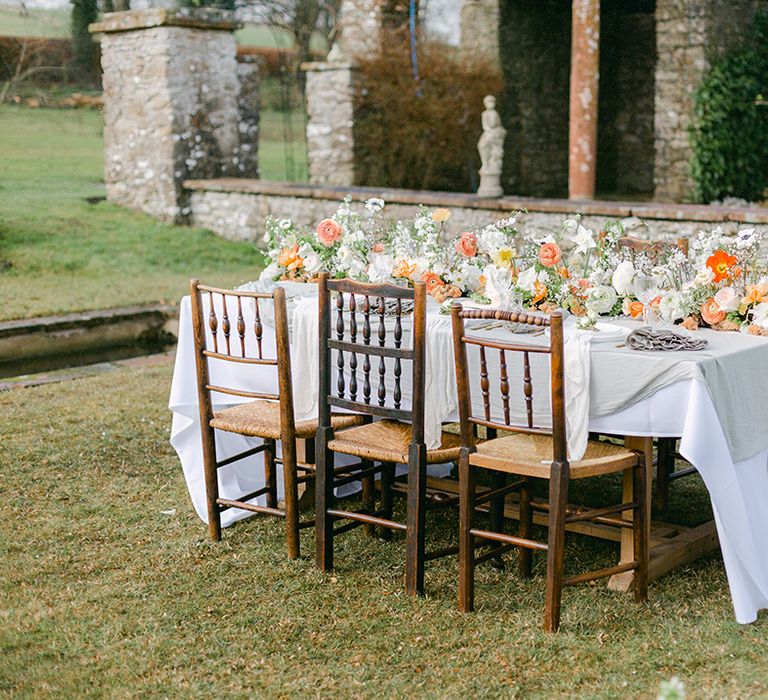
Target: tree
[{"x": 84, "y": 12}]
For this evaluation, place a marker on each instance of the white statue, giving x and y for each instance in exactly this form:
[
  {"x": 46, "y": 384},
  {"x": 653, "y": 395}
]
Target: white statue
[{"x": 491, "y": 148}]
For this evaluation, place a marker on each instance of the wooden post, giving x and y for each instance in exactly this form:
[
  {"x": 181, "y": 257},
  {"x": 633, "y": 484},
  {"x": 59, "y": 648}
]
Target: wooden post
[{"x": 585, "y": 80}]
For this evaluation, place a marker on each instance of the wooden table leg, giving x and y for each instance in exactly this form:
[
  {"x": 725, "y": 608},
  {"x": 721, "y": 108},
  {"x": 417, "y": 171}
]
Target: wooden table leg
[{"x": 623, "y": 581}]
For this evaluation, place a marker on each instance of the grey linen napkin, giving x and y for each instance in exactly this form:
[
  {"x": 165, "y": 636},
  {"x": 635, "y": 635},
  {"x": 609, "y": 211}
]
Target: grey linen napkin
[{"x": 648, "y": 338}]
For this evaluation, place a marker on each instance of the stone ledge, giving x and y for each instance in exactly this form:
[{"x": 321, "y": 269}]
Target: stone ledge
[
  {"x": 319, "y": 66},
  {"x": 197, "y": 18},
  {"x": 642, "y": 210}
]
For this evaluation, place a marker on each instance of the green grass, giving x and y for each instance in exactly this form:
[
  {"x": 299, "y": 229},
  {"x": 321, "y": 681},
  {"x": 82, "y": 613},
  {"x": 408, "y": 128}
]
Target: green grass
[
  {"x": 104, "y": 595},
  {"x": 66, "y": 254}
]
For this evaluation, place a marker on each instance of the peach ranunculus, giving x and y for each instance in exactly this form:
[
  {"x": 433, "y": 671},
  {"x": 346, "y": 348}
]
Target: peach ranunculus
[
  {"x": 467, "y": 245},
  {"x": 404, "y": 269},
  {"x": 441, "y": 215},
  {"x": 289, "y": 258},
  {"x": 328, "y": 232},
  {"x": 756, "y": 294},
  {"x": 550, "y": 254},
  {"x": 432, "y": 280},
  {"x": 721, "y": 263},
  {"x": 378, "y": 248},
  {"x": 636, "y": 309},
  {"x": 711, "y": 313}
]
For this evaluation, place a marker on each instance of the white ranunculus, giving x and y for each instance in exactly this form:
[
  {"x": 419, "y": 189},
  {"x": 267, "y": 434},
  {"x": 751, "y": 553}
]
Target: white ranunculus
[
  {"x": 623, "y": 277},
  {"x": 583, "y": 240},
  {"x": 270, "y": 272},
  {"x": 601, "y": 299},
  {"x": 344, "y": 257},
  {"x": 312, "y": 261},
  {"x": 526, "y": 282},
  {"x": 704, "y": 276},
  {"x": 760, "y": 315},
  {"x": 672, "y": 306},
  {"x": 727, "y": 299},
  {"x": 380, "y": 269}
]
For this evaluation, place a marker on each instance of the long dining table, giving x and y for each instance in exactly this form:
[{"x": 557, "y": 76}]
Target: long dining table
[{"x": 714, "y": 400}]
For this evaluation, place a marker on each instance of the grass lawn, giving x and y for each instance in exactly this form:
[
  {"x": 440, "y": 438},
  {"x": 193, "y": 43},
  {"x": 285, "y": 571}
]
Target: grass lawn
[
  {"x": 105, "y": 595},
  {"x": 66, "y": 254}
]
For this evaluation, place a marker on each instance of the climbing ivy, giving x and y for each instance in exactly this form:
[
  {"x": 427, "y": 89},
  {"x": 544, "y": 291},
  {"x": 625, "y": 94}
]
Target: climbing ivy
[{"x": 730, "y": 132}]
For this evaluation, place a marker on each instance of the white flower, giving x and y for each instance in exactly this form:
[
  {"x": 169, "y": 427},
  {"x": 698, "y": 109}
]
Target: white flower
[
  {"x": 270, "y": 272},
  {"x": 704, "y": 276},
  {"x": 380, "y": 269},
  {"x": 312, "y": 261},
  {"x": 746, "y": 238},
  {"x": 727, "y": 299},
  {"x": 374, "y": 205},
  {"x": 507, "y": 223},
  {"x": 583, "y": 240},
  {"x": 285, "y": 224},
  {"x": 490, "y": 239},
  {"x": 760, "y": 315},
  {"x": 601, "y": 299},
  {"x": 673, "y": 306},
  {"x": 623, "y": 277},
  {"x": 526, "y": 282},
  {"x": 498, "y": 286}
]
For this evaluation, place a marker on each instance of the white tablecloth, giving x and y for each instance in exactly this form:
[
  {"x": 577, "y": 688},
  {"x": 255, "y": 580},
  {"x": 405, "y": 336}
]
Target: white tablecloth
[{"x": 739, "y": 491}]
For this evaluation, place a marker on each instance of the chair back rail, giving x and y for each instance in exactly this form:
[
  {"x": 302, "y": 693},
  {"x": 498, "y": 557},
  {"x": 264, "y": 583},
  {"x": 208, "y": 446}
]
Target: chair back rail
[
  {"x": 651, "y": 248},
  {"x": 354, "y": 326},
  {"x": 487, "y": 350}
]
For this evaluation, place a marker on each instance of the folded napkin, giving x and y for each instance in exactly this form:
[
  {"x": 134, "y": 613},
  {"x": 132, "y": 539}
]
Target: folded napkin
[{"x": 657, "y": 339}]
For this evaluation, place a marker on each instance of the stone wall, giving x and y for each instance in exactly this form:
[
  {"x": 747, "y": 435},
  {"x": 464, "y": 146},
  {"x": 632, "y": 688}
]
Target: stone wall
[
  {"x": 689, "y": 34},
  {"x": 171, "y": 106},
  {"x": 480, "y": 29},
  {"x": 330, "y": 95}
]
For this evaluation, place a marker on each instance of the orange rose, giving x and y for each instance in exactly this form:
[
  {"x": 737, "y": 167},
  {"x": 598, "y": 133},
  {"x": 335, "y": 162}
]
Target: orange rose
[
  {"x": 636, "y": 309},
  {"x": 289, "y": 258},
  {"x": 432, "y": 281},
  {"x": 721, "y": 263},
  {"x": 550, "y": 254},
  {"x": 467, "y": 245},
  {"x": 711, "y": 313},
  {"x": 328, "y": 232},
  {"x": 404, "y": 269}
]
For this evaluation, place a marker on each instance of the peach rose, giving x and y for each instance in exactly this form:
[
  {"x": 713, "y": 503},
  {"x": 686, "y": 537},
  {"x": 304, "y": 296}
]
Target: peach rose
[
  {"x": 378, "y": 248},
  {"x": 636, "y": 309},
  {"x": 550, "y": 254},
  {"x": 328, "y": 232},
  {"x": 432, "y": 281},
  {"x": 467, "y": 245},
  {"x": 711, "y": 313}
]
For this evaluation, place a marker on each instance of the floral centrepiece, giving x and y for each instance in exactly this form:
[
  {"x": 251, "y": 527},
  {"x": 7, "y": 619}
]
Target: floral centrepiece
[{"x": 721, "y": 282}]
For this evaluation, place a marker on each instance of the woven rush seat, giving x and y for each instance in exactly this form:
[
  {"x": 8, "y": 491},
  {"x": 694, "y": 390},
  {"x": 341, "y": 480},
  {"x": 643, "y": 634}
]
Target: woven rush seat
[
  {"x": 388, "y": 441},
  {"x": 531, "y": 455},
  {"x": 262, "y": 419}
]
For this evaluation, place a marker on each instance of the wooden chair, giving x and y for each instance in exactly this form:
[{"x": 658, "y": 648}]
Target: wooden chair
[
  {"x": 534, "y": 452},
  {"x": 362, "y": 338},
  {"x": 268, "y": 416}
]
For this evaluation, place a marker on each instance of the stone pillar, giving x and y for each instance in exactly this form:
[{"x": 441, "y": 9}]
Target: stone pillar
[
  {"x": 249, "y": 107},
  {"x": 480, "y": 30},
  {"x": 585, "y": 77},
  {"x": 360, "y": 23},
  {"x": 170, "y": 105},
  {"x": 331, "y": 94}
]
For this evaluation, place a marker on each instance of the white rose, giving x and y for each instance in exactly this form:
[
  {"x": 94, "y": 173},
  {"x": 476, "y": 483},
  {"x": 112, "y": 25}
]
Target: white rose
[
  {"x": 727, "y": 299},
  {"x": 623, "y": 277},
  {"x": 672, "y": 306},
  {"x": 704, "y": 276},
  {"x": 601, "y": 299},
  {"x": 526, "y": 282},
  {"x": 380, "y": 269},
  {"x": 312, "y": 261},
  {"x": 760, "y": 315},
  {"x": 270, "y": 272}
]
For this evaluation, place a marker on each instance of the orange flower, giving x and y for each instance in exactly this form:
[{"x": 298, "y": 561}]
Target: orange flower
[
  {"x": 404, "y": 269},
  {"x": 564, "y": 273},
  {"x": 636, "y": 309},
  {"x": 550, "y": 254},
  {"x": 541, "y": 292},
  {"x": 378, "y": 248},
  {"x": 756, "y": 294},
  {"x": 711, "y": 313},
  {"x": 328, "y": 232},
  {"x": 432, "y": 281},
  {"x": 289, "y": 258},
  {"x": 721, "y": 263},
  {"x": 467, "y": 245}
]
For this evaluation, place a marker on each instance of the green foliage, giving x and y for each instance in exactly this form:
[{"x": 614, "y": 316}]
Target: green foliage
[
  {"x": 84, "y": 12},
  {"x": 421, "y": 135},
  {"x": 730, "y": 136}
]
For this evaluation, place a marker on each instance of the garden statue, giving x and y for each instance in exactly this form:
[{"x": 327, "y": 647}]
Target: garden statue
[{"x": 491, "y": 148}]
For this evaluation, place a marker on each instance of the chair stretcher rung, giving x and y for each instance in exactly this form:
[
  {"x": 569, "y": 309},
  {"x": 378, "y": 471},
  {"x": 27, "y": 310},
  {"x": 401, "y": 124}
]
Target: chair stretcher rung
[
  {"x": 683, "y": 472},
  {"x": 227, "y": 503},
  {"x": 600, "y": 573},
  {"x": 242, "y": 455},
  {"x": 370, "y": 519},
  {"x": 591, "y": 513},
  {"x": 509, "y": 539},
  {"x": 495, "y": 552},
  {"x": 503, "y": 491}
]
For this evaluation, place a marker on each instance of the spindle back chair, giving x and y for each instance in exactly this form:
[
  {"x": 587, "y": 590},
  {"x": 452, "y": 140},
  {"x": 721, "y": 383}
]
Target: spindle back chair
[
  {"x": 375, "y": 372},
  {"x": 222, "y": 335},
  {"x": 530, "y": 451}
]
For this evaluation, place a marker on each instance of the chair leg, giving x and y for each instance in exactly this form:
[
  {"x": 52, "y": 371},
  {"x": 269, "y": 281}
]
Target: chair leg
[
  {"x": 387, "y": 482},
  {"x": 416, "y": 520},
  {"x": 640, "y": 530},
  {"x": 211, "y": 483},
  {"x": 466, "y": 541},
  {"x": 526, "y": 530},
  {"x": 323, "y": 501},
  {"x": 270, "y": 474},
  {"x": 558, "y": 498},
  {"x": 291, "y": 502},
  {"x": 665, "y": 465},
  {"x": 369, "y": 496},
  {"x": 498, "y": 481}
]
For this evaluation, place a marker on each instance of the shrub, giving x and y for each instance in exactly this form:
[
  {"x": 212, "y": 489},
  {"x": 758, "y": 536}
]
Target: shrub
[
  {"x": 730, "y": 133},
  {"x": 421, "y": 135}
]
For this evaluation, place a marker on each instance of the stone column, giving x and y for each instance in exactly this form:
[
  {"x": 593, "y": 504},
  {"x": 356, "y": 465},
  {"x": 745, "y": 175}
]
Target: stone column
[
  {"x": 331, "y": 94},
  {"x": 249, "y": 109},
  {"x": 585, "y": 77},
  {"x": 480, "y": 30},
  {"x": 360, "y": 23},
  {"x": 170, "y": 105}
]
